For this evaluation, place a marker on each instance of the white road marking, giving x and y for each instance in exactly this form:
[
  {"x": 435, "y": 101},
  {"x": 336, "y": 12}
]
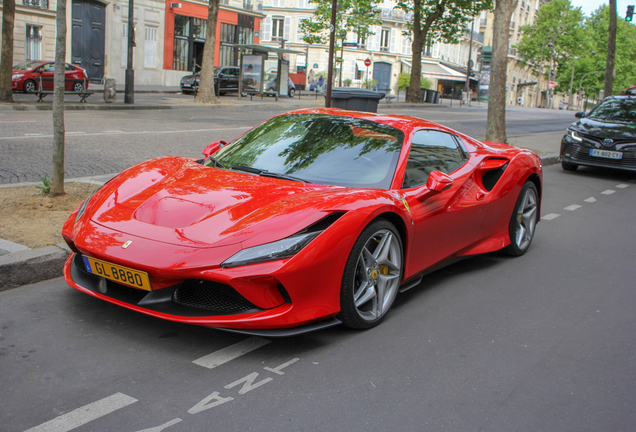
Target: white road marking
[
  {"x": 75, "y": 133},
  {"x": 277, "y": 370},
  {"x": 206, "y": 405},
  {"x": 85, "y": 414},
  {"x": 550, "y": 216},
  {"x": 248, "y": 383},
  {"x": 622, "y": 186},
  {"x": 608, "y": 192},
  {"x": 572, "y": 207},
  {"x": 131, "y": 133},
  {"x": 590, "y": 200},
  {"x": 227, "y": 354},
  {"x": 163, "y": 426},
  {"x": 113, "y": 131},
  {"x": 21, "y": 121}
]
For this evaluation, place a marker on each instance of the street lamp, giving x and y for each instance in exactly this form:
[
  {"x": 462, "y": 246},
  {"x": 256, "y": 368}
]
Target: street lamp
[{"x": 571, "y": 82}]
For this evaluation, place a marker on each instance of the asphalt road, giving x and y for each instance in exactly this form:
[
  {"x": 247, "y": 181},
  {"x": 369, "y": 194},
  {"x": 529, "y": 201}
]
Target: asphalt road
[
  {"x": 105, "y": 142},
  {"x": 544, "y": 342}
]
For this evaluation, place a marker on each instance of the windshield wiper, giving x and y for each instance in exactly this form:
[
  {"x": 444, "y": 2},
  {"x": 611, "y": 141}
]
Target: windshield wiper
[
  {"x": 216, "y": 162},
  {"x": 265, "y": 173}
]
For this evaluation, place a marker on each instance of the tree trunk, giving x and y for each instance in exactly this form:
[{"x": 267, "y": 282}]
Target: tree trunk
[
  {"x": 6, "y": 59},
  {"x": 57, "y": 172},
  {"x": 206, "y": 93},
  {"x": 496, "y": 122},
  {"x": 611, "y": 49},
  {"x": 419, "y": 36}
]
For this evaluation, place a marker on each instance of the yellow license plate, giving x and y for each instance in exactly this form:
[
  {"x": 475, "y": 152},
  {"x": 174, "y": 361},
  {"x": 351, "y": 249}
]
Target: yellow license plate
[{"x": 117, "y": 273}]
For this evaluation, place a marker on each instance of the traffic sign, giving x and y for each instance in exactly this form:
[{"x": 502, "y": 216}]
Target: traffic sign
[
  {"x": 367, "y": 62},
  {"x": 552, "y": 84}
]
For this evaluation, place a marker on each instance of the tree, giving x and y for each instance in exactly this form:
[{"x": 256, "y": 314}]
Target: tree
[
  {"x": 611, "y": 48},
  {"x": 561, "y": 24},
  {"x": 206, "y": 92},
  {"x": 352, "y": 15},
  {"x": 435, "y": 20},
  {"x": 6, "y": 59},
  {"x": 496, "y": 120},
  {"x": 57, "y": 172}
]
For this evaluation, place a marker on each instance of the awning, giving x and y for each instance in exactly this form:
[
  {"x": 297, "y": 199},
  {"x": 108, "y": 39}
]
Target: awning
[
  {"x": 361, "y": 65},
  {"x": 404, "y": 62},
  {"x": 267, "y": 49},
  {"x": 525, "y": 84}
]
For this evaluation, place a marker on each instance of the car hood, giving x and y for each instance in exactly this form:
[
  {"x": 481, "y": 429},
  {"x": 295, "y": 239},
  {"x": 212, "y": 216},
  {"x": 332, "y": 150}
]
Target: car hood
[
  {"x": 605, "y": 129},
  {"x": 191, "y": 76},
  {"x": 179, "y": 201}
]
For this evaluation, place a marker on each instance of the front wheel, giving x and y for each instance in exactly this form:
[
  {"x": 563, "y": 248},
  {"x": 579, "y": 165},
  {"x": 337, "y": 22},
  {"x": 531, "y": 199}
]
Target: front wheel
[
  {"x": 29, "y": 86},
  {"x": 292, "y": 92},
  {"x": 568, "y": 166},
  {"x": 78, "y": 87},
  {"x": 524, "y": 220},
  {"x": 372, "y": 276}
]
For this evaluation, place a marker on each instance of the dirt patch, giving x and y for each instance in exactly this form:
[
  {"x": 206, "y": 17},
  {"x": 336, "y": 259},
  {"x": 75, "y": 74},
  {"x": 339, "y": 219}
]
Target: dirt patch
[{"x": 36, "y": 220}]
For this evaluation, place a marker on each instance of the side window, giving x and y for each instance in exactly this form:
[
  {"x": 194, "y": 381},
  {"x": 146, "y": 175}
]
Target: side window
[
  {"x": 431, "y": 151},
  {"x": 49, "y": 67},
  {"x": 234, "y": 71},
  {"x": 68, "y": 67}
]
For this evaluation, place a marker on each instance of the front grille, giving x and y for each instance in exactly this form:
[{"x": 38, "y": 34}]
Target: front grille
[
  {"x": 582, "y": 155},
  {"x": 211, "y": 296}
]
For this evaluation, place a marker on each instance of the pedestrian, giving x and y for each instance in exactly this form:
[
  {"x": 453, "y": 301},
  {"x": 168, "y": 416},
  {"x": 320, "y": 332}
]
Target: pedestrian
[
  {"x": 321, "y": 82},
  {"x": 519, "y": 101},
  {"x": 311, "y": 80}
]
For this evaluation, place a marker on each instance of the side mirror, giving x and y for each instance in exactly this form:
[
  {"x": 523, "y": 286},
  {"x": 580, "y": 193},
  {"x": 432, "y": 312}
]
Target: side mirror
[
  {"x": 213, "y": 148},
  {"x": 437, "y": 182},
  {"x": 579, "y": 114}
]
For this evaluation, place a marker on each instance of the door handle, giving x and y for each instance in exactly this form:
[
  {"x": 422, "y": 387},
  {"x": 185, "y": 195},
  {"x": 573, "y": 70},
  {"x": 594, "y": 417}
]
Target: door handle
[{"x": 480, "y": 196}]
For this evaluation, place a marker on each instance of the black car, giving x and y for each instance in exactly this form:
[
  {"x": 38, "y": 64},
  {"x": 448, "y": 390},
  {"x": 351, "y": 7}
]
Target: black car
[
  {"x": 606, "y": 137},
  {"x": 225, "y": 79}
]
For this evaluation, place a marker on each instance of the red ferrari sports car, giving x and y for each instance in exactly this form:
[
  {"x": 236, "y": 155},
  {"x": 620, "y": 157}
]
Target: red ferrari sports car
[{"x": 311, "y": 219}]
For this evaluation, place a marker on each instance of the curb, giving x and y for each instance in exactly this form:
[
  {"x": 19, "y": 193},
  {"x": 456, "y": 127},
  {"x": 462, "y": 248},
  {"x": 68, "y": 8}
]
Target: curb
[{"x": 33, "y": 265}]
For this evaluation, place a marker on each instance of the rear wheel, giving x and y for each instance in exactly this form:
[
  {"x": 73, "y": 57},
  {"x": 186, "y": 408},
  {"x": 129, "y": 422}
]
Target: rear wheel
[
  {"x": 78, "y": 87},
  {"x": 292, "y": 92},
  {"x": 568, "y": 166},
  {"x": 372, "y": 276},
  {"x": 523, "y": 221},
  {"x": 29, "y": 86}
]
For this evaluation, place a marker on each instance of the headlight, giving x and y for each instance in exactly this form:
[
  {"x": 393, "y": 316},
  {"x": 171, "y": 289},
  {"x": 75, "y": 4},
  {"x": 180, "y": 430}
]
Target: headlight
[
  {"x": 280, "y": 249},
  {"x": 574, "y": 135},
  {"x": 82, "y": 207},
  {"x": 16, "y": 76}
]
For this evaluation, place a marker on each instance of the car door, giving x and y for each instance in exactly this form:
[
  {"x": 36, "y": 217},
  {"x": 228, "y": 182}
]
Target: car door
[
  {"x": 70, "y": 77},
  {"x": 46, "y": 74},
  {"x": 444, "y": 222}
]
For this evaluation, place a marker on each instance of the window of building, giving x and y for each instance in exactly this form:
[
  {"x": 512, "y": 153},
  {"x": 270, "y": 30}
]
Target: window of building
[
  {"x": 189, "y": 37},
  {"x": 33, "y": 42},
  {"x": 278, "y": 27},
  {"x": 150, "y": 47},
  {"x": 362, "y": 43},
  {"x": 124, "y": 46},
  {"x": 384, "y": 40},
  {"x": 431, "y": 151}
]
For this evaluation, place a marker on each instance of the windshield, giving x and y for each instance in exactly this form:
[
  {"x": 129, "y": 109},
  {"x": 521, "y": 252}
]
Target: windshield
[
  {"x": 322, "y": 149},
  {"x": 27, "y": 65},
  {"x": 621, "y": 110}
]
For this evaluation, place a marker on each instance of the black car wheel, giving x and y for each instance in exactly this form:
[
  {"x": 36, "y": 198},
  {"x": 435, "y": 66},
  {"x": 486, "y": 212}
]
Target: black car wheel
[
  {"x": 372, "y": 276},
  {"x": 29, "y": 86},
  {"x": 524, "y": 220},
  {"x": 292, "y": 92},
  {"x": 569, "y": 166},
  {"x": 78, "y": 87}
]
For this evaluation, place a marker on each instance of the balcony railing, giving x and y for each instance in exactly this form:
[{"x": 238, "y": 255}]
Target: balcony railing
[
  {"x": 396, "y": 14},
  {"x": 40, "y": 4},
  {"x": 247, "y": 6}
]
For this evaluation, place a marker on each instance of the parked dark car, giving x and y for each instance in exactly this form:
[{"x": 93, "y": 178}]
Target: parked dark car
[
  {"x": 226, "y": 79},
  {"x": 270, "y": 85},
  {"x": 26, "y": 76},
  {"x": 606, "y": 137}
]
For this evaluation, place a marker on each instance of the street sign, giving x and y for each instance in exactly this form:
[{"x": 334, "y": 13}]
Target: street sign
[
  {"x": 367, "y": 62},
  {"x": 552, "y": 84},
  {"x": 350, "y": 44}
]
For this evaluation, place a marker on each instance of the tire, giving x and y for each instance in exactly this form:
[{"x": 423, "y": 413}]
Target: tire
[
  {"x": 292, "y": 92},
  {"x": 29, "y": 86},
  {"x": 243, "y": 94},
  {"x": 78, "y": 87},
  {"x": 568, "y": 166},
  {"x": 523, "y": 221},
  {"x": 372, "y": 276}
]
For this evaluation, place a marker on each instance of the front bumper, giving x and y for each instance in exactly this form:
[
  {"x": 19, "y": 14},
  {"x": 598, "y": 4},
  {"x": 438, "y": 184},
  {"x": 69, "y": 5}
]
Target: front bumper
[{"x": 579, "y": 154}]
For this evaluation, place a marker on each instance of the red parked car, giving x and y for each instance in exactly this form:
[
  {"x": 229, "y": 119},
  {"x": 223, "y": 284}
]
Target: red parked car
[
  {"x": 313, "y": 218},
  {"x": 26, "y": 76}
]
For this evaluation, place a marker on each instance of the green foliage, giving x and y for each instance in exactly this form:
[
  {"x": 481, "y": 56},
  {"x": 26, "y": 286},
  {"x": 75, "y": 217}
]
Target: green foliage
[
  {"x": 347, "y": 81},
  {"x": 370, "y": 83},
  {"x": 579, "y": 42},
  {"x": 352, "y": 16},
  {"x": 45, "y": 187},
  {"x": 404, "y": 81}
]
